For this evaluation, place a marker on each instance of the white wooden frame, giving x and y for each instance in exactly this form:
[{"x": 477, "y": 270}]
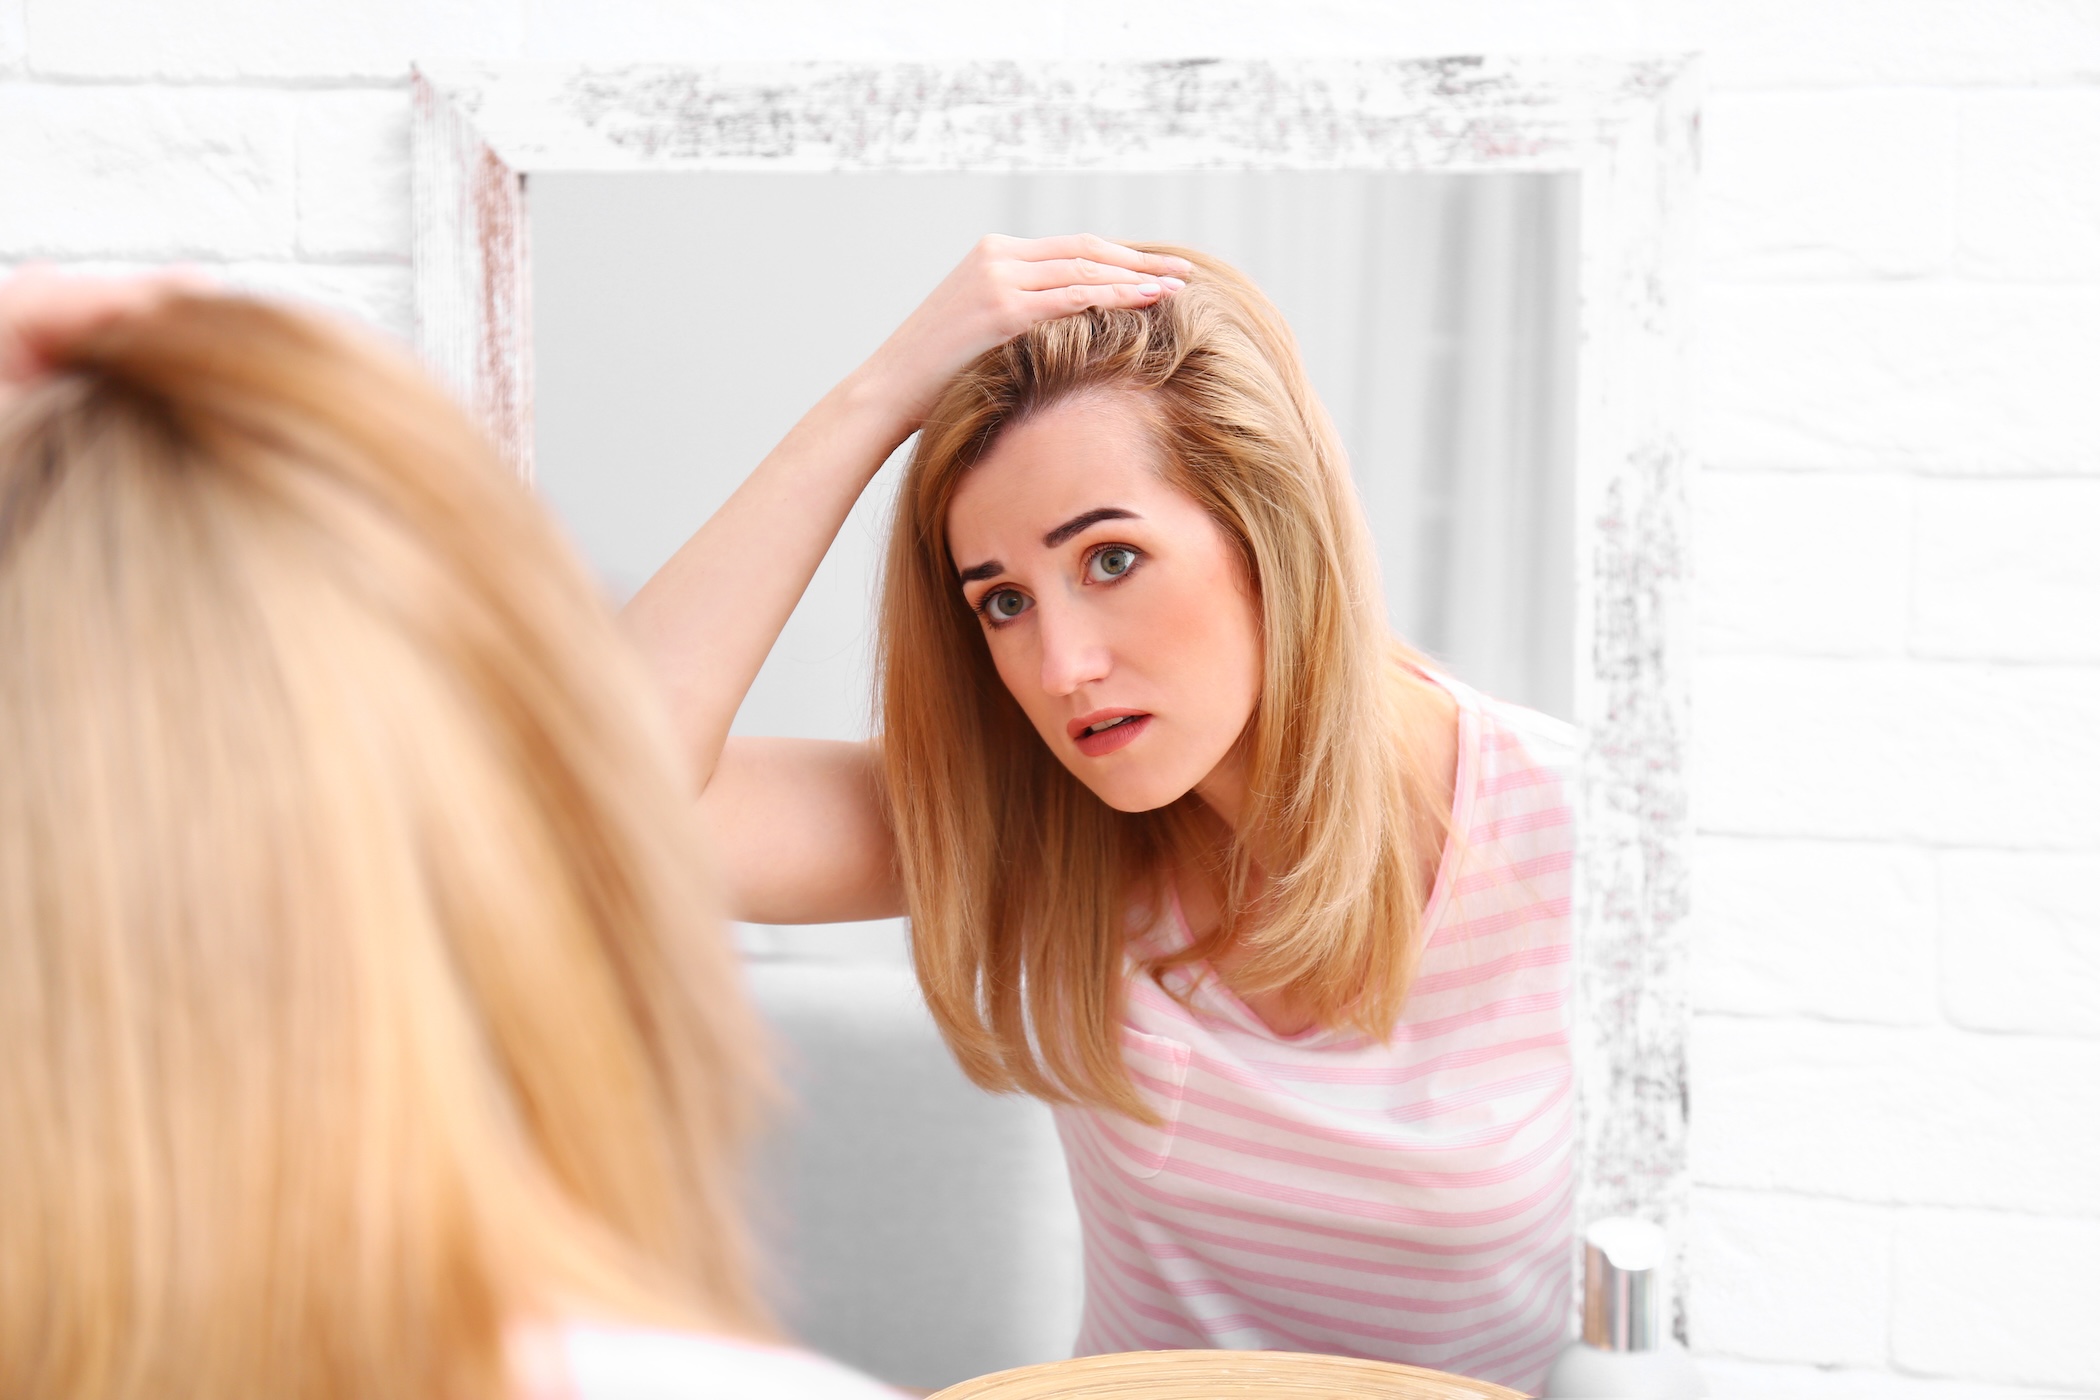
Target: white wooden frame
[{"x": 1628, "y": 127}]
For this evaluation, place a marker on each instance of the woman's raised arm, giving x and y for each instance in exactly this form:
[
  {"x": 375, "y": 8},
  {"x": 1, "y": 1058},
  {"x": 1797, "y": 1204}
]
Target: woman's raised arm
[{"x": 799, "y": 826}]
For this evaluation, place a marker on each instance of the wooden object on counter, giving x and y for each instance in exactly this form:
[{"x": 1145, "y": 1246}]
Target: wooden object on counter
[{"x": 1222, "y": 1375}]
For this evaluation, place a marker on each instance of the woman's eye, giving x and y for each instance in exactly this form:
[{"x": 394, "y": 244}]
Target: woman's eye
[
  {"x": 1004, "y": 605},
  {"x": 1109, "y": 564}
]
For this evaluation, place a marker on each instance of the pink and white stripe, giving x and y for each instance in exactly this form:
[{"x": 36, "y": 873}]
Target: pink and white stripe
[{"x": 1409, "y": 1199}]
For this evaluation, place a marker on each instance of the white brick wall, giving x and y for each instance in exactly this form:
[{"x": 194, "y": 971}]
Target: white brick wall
[
  {"x": 1784, "y": 197},
  {"x": 1791, "y": 1278},
  {"x": 2017, "y": 938},
  {"x": 1834, "y": 930},
  {"x": 1882, "y": 44},
  {"x": 1995, "y": 1295},
  {"x": 146, "y": 172},
  {"x": 1896, "y": 1073},
  {"x": 1911, "y": 1116},
  {"x": 246, "y": 40},
  {"x": 14, "y": 41},
  {"x": 1803, "y": 565},
  {"x": 1948, "y": 753},
  {"x": 353, "y": 165},
  {"x": 2008, "y": 570},
  {"x": 1896, "y": 1080},
  {"x": 2025, "y": 215},
  {"x": 1967, "y": 377}
]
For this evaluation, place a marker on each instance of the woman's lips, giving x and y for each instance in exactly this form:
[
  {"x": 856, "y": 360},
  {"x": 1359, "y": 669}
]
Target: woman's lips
[{"x": 1107, "y": 741}]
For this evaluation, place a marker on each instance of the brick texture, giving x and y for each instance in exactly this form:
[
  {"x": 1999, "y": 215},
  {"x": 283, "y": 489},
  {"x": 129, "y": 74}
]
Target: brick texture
[
  {"x": 14, "y": 37},
  {"x": 1833, "y": 930},
  {"x": 247, "y": 39},
  {"x": 787, "y": 30},
  {"x": 2023, "y": 214},
  {"x": 144, "y": 172},
  {"x": 1945, "y": 753},
  {"x": 1998, "y": 1297},
  {"x": 353, "y": 164},
  {"x": 1729, "y": 1378},
  {"x": 1785, "y": 197},
  {"x": 1783, "y": 1278},
  {"x": 1167, "y": 30},
  {"x": 2020, "y": 940},
  {"x": 1815, "y": 565},
  {"x": 1788, "y": 43},
  {"x": 2008, "y": 570},
  {"x": 1939, "y": 377},
  {"x": 1881, "y": 1114},
  {"x": 379, "y": 294}
]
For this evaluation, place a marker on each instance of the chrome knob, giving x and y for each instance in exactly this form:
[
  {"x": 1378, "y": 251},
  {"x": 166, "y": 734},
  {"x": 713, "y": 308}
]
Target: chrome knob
[{"x": 1622, "y": 1262}]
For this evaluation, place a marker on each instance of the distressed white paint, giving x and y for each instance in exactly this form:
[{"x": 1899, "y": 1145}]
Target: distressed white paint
[{"x": 473, "y": 284}]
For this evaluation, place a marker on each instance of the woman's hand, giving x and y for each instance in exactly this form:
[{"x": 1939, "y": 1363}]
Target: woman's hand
[
  {"x": 801, "y": 829},
  {"x": 42, "y": 311},
  {"x": 1005, "y": 286}
]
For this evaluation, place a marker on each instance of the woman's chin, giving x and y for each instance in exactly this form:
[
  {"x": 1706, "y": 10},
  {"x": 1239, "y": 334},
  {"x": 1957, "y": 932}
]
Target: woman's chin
[
  {"x": 1132, "y": 778},
  {"x": 1135, "y": 792}
]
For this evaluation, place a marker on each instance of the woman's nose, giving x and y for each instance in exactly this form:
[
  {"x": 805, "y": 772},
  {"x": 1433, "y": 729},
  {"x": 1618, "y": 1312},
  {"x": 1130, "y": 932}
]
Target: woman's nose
[{"x": 1073, "y": 654}]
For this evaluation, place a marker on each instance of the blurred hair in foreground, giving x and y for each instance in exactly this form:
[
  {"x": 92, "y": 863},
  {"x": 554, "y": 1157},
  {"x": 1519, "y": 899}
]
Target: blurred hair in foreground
[{"x": 359, "y": 995}]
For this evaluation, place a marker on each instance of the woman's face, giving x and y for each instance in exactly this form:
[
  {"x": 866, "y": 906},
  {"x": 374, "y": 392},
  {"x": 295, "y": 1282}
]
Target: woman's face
[{"x": 1118, "y": 613}]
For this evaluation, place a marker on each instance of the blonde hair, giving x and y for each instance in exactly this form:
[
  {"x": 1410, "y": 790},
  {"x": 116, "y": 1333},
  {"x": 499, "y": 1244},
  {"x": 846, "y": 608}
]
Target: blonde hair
[
  {"x": 1021, "y": 882},
  {"x": 359, "y": 994}
]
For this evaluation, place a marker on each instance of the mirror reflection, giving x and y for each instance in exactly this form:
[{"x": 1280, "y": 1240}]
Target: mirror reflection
[{"x": 927, "y": 1232}]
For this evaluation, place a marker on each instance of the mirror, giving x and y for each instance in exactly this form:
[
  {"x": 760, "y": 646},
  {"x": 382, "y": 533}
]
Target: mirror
[
  {"x": 682, "y": 322},
  {"x": 1622, "y": 136}
]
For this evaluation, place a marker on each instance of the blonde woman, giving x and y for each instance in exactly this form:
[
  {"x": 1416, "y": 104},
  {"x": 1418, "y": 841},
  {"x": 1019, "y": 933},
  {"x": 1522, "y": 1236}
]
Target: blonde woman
[
  {"x": 365, "y": 1027},
  {"x": 1272, "y": 912}
]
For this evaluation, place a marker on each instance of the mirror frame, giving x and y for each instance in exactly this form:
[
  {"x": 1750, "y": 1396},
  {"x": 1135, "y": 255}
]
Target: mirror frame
[{"x": 1629, "y": 127}]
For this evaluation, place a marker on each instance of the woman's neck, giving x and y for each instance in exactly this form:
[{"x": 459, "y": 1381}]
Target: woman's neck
[
  {"x": 1224, "y": 788},
  {"x": 1428, "y": 718},
  {"x": 1429, "y": 722}
]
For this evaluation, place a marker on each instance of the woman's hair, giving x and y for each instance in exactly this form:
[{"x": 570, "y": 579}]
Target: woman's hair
[
  {"x": 1022, "y": 883},
  {"x": 359, "y": 993}
]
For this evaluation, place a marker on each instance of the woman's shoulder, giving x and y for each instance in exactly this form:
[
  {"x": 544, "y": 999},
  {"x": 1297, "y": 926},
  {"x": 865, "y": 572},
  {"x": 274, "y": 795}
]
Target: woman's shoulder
[
  {"x": 1530, "y": 738},
  {"x": 633, "y": 1363},
  {"x": 1504, "y": 735}
]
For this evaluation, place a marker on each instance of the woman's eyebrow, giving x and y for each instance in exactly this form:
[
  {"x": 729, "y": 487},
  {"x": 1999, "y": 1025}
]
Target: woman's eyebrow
[
  {"x": 1080, "y": 522},
  {"x": 992, "y": 567}
]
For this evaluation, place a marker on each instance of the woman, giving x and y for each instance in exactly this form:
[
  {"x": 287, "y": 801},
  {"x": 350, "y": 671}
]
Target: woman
[
  {"x": 364, "y": 1027},
  {"x": 1273, "y": 913}
]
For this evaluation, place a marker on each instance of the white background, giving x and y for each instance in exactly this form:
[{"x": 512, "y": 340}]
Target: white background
[{"x": 1896, "y": 1062}]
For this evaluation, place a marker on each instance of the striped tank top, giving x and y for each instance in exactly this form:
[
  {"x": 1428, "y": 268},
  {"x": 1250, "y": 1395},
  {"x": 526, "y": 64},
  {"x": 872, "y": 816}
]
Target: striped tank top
[{"x": 1407, "y": 1199}]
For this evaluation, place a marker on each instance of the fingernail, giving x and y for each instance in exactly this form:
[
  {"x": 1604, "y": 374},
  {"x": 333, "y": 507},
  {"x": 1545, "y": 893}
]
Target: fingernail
[
  {"x": 1183, "y": 263},
  {"x": 1150, "y": 289},
  {"x": 1172, "y": 284}
]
